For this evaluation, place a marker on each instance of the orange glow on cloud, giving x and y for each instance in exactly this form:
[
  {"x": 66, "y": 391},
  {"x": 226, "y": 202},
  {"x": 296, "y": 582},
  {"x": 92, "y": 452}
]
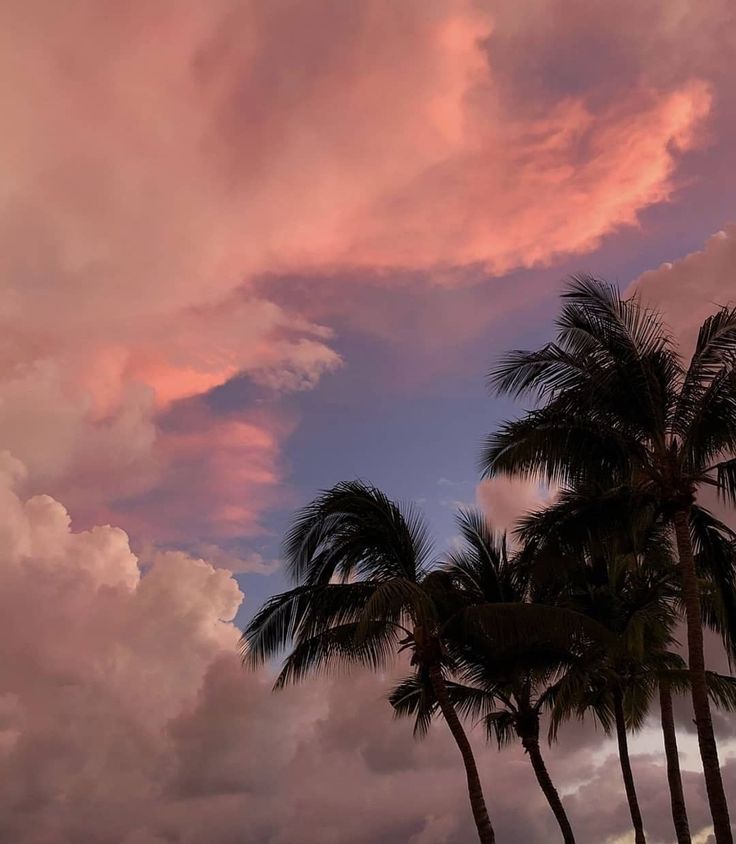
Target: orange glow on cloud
[
  {"x": 197, "y": 149},
  {"x": 520, "y": 194},
  {"x": 170, "y": 384}
]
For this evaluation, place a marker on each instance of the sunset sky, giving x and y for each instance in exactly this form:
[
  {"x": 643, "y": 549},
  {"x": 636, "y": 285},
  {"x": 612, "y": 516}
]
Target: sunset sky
[{"x": 249, "y": 248}]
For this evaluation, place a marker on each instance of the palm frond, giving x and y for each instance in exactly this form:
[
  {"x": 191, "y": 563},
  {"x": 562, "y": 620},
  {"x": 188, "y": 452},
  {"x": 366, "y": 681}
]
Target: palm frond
[
  {"x": 558, "y": 447},
  {"x": 354, "y": 529},
  {"x": 480, "y": 570},
  {"x": 710, "y": 431},
  {"x": 715, "y": 558},
  {"x": 414, "y": 697},
  {"x": 394, "y": 600},
  {"x": 725, "y": 480},
  {"x": 627, "y": 347},
  {"x": 500, "y": 727},
  {"x": 338, "y": 648},
  {"x": 522, "y": 625},
  {"x": 543, "y": 373},
  {"x": 715, "y": 350},
  {"x": 301, "y": 611},
  {"x": 574, "y": 695},
  {"x": 722, "y": 690}
]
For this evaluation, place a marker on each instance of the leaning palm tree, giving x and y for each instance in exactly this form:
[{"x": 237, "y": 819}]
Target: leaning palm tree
[
  {"x": 508, "y": 692},
  {"x": 365, "y": 591},
  {"x": 617, "y": 405},
  {"x": 507, "y": 687}
]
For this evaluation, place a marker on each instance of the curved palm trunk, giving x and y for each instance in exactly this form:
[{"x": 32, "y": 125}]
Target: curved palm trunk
[
  {"x": 623, "y": 752},
  {"x": 698, "y": 683},
  {"x": 531, "y": 745},
  {"x": 475, "y": 792},
  {"x": 677, "y": 798}
]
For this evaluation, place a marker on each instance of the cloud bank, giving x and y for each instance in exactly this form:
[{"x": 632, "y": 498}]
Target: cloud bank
[{"x": 126, "y": 718}]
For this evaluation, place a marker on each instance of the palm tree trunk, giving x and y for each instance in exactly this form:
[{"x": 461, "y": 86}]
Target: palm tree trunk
[
  {"x": 531, "y": 745},
  {"x": 475, "y": 791},
  {"x": 623, "y": 752},
  {"x": 698, "y": 683},
  {"x": 677, "y": 798}
]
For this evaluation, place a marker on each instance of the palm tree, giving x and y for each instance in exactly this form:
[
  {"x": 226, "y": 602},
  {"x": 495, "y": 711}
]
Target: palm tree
[
  {"x": 608, "y": 557},
  {"x": 508, "y": 697},
  {"x": 674, "y": 777},
  {"x": 365, "y": 591},
  {"x": 616, "y": 405},
  {"x": 611, "y": 561},
  {"x": 619, "y": 696},
  {"x": 715, "y": 551},
  {"x": 616, "y": 682},
  {"x": 508, "y": 687},
  {"x": 714, "y": 558}
]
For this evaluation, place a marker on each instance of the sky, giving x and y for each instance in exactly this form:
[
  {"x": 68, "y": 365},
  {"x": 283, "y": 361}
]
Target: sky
[{"x": 249, "y": 249}]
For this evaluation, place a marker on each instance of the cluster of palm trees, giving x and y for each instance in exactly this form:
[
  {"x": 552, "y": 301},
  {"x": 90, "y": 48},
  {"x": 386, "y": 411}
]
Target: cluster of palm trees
[{"x": 576, "y": 615}]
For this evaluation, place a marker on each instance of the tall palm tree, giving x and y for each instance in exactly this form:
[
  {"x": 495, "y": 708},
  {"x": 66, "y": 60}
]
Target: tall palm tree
[
  {"x": 365, "y": 591},
  {"x": 617, "y": 405},
  {"x": 615, "y": 683},
  {"x": 613, "y": 562},
  {"x": 609, "y": 557},
  {"x": 507, "y": 686},
  {"x": 714, "y": 559},
  {"x": 619, "y": 696},
  {"x": 715, "y": 552}
]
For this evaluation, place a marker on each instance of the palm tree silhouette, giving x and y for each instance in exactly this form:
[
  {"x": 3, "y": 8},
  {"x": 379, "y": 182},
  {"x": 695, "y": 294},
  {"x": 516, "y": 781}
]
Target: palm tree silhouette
[
  {"x": 607, "y": 556},
  {"x": 618, "y": 407},
  {"x": 366, "y": 591},
  {"x": 508, "y": 686}
]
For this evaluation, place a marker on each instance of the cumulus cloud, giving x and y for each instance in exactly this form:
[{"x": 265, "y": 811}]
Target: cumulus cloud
[
  {"x": 96, "y": 659},
  {"x": 504, "y": 500},
  {"x": 125, "y": 716},
  {"x": 691, "y": 289}
]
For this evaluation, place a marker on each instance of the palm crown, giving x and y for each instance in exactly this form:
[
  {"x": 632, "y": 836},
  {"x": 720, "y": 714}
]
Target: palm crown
[
  {"x": 617, "y": 402},
  {"x": 365, "y": 591}
]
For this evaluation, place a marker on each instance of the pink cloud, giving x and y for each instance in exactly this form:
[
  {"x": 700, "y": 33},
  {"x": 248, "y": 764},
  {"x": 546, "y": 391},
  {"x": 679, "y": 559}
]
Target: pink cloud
[
  {"x": 160, "y": 160},
  {"x": 505, "y": 500},
  {"x": 690, "y": 289},
  {"x": 217, "y": 476},
  {"x": 559, "y": 201}
]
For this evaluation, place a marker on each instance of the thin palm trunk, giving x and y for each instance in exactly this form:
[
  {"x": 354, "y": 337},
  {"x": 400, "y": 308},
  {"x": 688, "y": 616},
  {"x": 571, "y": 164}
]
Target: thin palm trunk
[
  {"x": 698, "y": 683},
  {"x": 531, "y": 745},
  {"x": 623, "y": 752},
  {"x": 677, "y": 797},
  {"x": 475, "y": 791}
]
